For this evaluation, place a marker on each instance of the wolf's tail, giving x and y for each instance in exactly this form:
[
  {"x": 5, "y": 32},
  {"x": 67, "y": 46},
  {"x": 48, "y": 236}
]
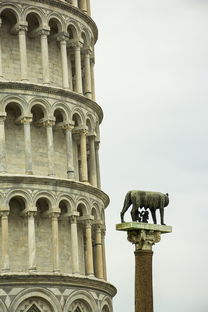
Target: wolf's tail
[{"x": 127, "y": 204}]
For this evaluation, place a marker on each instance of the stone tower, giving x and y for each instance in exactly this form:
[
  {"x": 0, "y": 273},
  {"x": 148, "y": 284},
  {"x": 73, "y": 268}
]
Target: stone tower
[{"x": 52, "y": 229}]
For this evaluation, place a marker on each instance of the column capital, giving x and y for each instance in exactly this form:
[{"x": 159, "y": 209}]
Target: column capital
[
  {"x": 73, "y": 217},
  {"x": 80, "y": 130},
  {"x": 68, "y": 126},
  {"x": 3, "y": 117},
  {"x": 47, "y": 122},
  {"x": 143, "y": 239},
  {"x": 25, "y": 119},
  {"x": 87, "y": 51},
  {"x": 62, "y": 36},
  {"x": 54, "y": 214},
  {"x": 31, "y": 213},
  {"x": 19, "y": 28},
  {"x": 77, "y": 44},
  {"x": 4, "y": 213}
]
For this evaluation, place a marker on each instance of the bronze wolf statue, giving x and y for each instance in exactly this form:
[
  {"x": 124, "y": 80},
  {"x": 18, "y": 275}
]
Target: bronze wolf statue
[{"x": 146, "y": 200}]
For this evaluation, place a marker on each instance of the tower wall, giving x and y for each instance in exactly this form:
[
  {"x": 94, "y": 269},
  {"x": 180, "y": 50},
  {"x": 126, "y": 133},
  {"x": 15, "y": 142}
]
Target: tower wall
[{"x": 52, "y": 229}]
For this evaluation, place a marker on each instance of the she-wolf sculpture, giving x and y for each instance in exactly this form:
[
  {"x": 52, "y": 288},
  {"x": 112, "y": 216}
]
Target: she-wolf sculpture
[{"x": 146, "y": 200}]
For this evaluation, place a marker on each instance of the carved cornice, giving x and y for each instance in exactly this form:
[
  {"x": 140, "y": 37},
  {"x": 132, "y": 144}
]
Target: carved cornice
[
  {"x": 34, "y": 280},
  {"x": 55, "y": 91},
  {"x": 53, "y": 181}
]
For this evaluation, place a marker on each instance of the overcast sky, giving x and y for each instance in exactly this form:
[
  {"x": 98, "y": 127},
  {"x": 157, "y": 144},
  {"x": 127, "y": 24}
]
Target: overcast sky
[{"x": 151, "y": 81}]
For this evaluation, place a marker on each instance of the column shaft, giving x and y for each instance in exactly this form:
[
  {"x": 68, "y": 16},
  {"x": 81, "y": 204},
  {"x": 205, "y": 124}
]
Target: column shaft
[
  {"x": 23, "y": 51},
  {"x": 28, "y": 149},
  {"x": 97, "y": 164},
  {"x": 104, "y": 256},
  {"x": 44, "y": 51},
  {"x": 88, "y": 8},
  {"x": 31, "y": 241},
  {"x": 92, "y": 80},
  {"x": 49, "y": 129},
  {"x": 1, "y": 70},
  {"x": 65, "y": 74},
  {"x": 83, "y": 151},
  {"x": 89, "y": 252},
  {"x": 5, "y": 240},
  {"x": 98, "y": 253},
  {"x": 87, "y": 76},
  {"x": 92, "y": 171},
  {"x": 74, "y": 246},
  {"x": 3, "y": 164},
  {"x": 70, "y": 72},
  {"x": 55, "y": 242},
  {"x": 69, "y": 151},
  {"x": 143, "y": 281},
  {"x": 78, "y": 70},
  {"x": 75, "y": 3},
  {"x": 83, "y": 5}
]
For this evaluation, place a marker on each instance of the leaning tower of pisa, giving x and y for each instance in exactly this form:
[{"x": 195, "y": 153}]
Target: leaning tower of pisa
[{"x": 52, "y": 229}]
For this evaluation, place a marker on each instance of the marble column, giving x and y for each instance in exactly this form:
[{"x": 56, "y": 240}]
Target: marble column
[
  {"x": 31, "y": 240},
  {"x": 69, "y": 150},
  {"x": 88, "y": 8},
  {"x": 74, "y": 245},
  {"x": 28, "y": 149},
  {"x": 23, "y": 51},
  {"x": 3, "y": 163},
  {"x": 83, "y": 151},
  {"x": 55, "y": 241},
  {"x": 92, "y": 78},
  {"x": 78, "y": 68},
  {"x": 44, "y": 51},
  {"x": 97, "y": 145},
  {"x": 87, "y": 74},
  {"x": 1, "y": 69},
  {"x": 83, "y": 5},
  {"x": 92, "y": 169},
  {"x": 5, "y": 240},
  {"x": 49, "y": 129},
  {"x": 88, "y": 246},
  {"x": 70, "y": 71},
  {"x": 63, "y": 38},
  {"x": 98, "y": 252},
  {"x": 103, "y": 231},
  {"x": 75, "y": 3}
]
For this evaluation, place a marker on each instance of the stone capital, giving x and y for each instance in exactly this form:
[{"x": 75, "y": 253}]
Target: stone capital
[
  {"x": 76, "y": 44},
  {"x": 2, "y": 117},
  {"x": 19, "y": 28},
  {"x": 80, "y": 130},
  {"x": 48, "y": 123},
  {"x": 31, "y": 213},
  {"x": 62, "y": 36},
  {"x": 4, "y": 213},
  {"x": 24, "y": 119},
  {"x": 143, "y": 239}
]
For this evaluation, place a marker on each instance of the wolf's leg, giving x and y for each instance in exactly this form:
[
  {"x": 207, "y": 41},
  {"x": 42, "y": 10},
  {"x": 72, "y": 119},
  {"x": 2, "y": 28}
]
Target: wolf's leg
[
  {"x": 153, "y": 213},
  {"x": 162, "y": 216}
]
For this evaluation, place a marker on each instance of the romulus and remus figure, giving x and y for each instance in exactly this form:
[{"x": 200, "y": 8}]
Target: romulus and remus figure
[{"x": 143, "y": 200}]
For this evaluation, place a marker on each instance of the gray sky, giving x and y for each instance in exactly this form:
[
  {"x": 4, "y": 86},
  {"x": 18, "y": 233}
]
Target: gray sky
[{"x": 151, "y": 81}]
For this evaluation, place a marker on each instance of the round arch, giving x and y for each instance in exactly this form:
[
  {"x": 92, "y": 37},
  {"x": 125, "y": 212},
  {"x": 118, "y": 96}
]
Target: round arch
[
  {"x": 41, "y": 293},
  {"x": 14, "y": 9},
  {"x": 81, "y": 296},
  {"x": 2, "y": 306},
  {"x": 37, "y": 12}
]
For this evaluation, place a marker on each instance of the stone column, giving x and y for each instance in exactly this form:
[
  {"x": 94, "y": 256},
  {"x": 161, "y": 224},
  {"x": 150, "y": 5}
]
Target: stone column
[
  {"x": 3, "y": 164},
  {"x": 92, "y": 78},
  {"x": 62, "y": 38},
  {"x": 74, "y": 244},
  {"x": 28, "y": 149},
  {"x": 83, "y": 5},
  {"x": 87, "y": 74},
  {"x": 98, "y": 252},
  {"x": 92, "y": 171},
  {"x": 44, "y": 51},
  {"x": 23, "y": 51},
  {"x": 83, "y": 151},
  {"x": 97, "y": 145},
  {"x": 78, "y": 68},
  {"x": 88, "y": 8},
  {"x": 104, "y": 254},
  {"x": 55, "y": 241},
  {"x": 75, "y": 3},
  {"x": 143, "y": 236},
  {"x": 70, "y": 72},
  {"x": 1, "y": 70},
  {"x": 88, "y": 246},
  {"x": 31, "y": 240},
  {"x": 5, "y": 240},
  {"x": 69, "y": 150},
  {"x": 49, "y": 129}
]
